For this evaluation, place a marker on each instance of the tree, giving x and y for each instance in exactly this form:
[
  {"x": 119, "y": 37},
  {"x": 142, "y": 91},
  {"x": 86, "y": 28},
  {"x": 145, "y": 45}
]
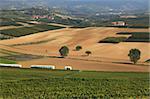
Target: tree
[
  {"x": 78, "y": 48},
  {"x": 134, "y": 55},
  {"x": 64, "y": 51},
  {"x": 88, "y": 52}
]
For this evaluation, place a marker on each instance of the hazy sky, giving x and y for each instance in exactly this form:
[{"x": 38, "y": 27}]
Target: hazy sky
[{"x": 7, "y": 3}]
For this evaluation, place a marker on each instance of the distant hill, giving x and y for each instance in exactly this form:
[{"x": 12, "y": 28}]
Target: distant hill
[
  {"x": 87, "y": 5},
  {"x": 81, "y": 13}
]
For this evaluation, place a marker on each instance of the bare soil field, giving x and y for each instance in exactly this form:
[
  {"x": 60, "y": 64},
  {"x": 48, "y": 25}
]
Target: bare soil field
[
  {"x": 104, "y": 57},
  {"x": 12, "y": 27},
  {"x": 82, "y": 64}
]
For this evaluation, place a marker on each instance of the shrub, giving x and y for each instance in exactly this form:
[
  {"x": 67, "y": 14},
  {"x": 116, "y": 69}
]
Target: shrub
[
  {"x": 88, "y": 52},
  {"x": 78, "y": 48},
  {"x": 134, "y": 55},
  {"x": 147, "y": 61},
  {"x": 64, "y": 51}
]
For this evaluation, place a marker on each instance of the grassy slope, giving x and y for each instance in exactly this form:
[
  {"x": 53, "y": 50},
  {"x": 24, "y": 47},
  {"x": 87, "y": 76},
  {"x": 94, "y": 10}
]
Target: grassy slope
[
  {"x": 7, "y": 61},
  {"x": 34, "y": 83}
]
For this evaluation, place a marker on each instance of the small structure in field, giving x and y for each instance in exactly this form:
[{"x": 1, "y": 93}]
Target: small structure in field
[
  {"x": 43, "y": 66},
  {"x": 68, "y": 68},
  {"x": 119, "y": 23},
  {"x": 42, "y": 17},
  {"x": 128, "y": 16},
  {"x": 11, "y": 65}
]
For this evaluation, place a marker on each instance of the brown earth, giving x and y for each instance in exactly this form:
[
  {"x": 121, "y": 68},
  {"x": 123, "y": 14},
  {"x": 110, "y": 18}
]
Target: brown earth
[{"x": 105, "y": 57}]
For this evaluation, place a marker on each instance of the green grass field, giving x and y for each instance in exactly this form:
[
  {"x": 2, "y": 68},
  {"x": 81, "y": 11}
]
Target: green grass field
[
  {"x": 7, "y": 61},
  {"x": 49, "y": 84}
]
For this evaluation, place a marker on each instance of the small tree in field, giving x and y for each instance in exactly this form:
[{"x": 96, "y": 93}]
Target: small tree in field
[
  {"x": 78, "y": 48},
  {"x": 134, "y": 55},
  {"x": 88, "y": 53},
  {"x": 64, "y": 51}
]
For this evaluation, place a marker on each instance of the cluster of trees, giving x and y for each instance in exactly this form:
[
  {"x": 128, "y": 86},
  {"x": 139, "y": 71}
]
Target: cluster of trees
[
  {"x": 134, "y": 54},
  {"x": 64, "y": 51}
]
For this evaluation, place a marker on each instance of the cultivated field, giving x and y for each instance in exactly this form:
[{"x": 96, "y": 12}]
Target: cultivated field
[
  {"x": 74, "y": 49},
  {"x": 57, "y": 84},
  {"x": 104, "y": 57}
]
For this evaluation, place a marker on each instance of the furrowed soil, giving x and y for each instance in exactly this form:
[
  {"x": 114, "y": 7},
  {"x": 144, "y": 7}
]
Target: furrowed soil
[{"x": 104, "y": 57}]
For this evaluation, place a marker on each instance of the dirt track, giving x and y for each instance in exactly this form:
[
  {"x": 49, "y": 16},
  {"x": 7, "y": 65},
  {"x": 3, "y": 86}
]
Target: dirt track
[{"x": 88, "y": 38}]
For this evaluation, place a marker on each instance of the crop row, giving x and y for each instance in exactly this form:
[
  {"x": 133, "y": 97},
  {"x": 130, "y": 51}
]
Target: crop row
[
  {"x": 8, "y": 23},
  {"x": 137, "y": 36},
  {"x": 74, "y": 88},
  {"x": 44, "y": 84},
  {"x": 113, "y": 40},
  {"x": 29, "y": 30}
]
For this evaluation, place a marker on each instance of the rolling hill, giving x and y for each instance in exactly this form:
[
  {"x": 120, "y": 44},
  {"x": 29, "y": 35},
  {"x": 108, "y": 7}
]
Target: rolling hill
[
  {"x": 86, "y": 5},
  {"x": 114, "y": 56}
]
